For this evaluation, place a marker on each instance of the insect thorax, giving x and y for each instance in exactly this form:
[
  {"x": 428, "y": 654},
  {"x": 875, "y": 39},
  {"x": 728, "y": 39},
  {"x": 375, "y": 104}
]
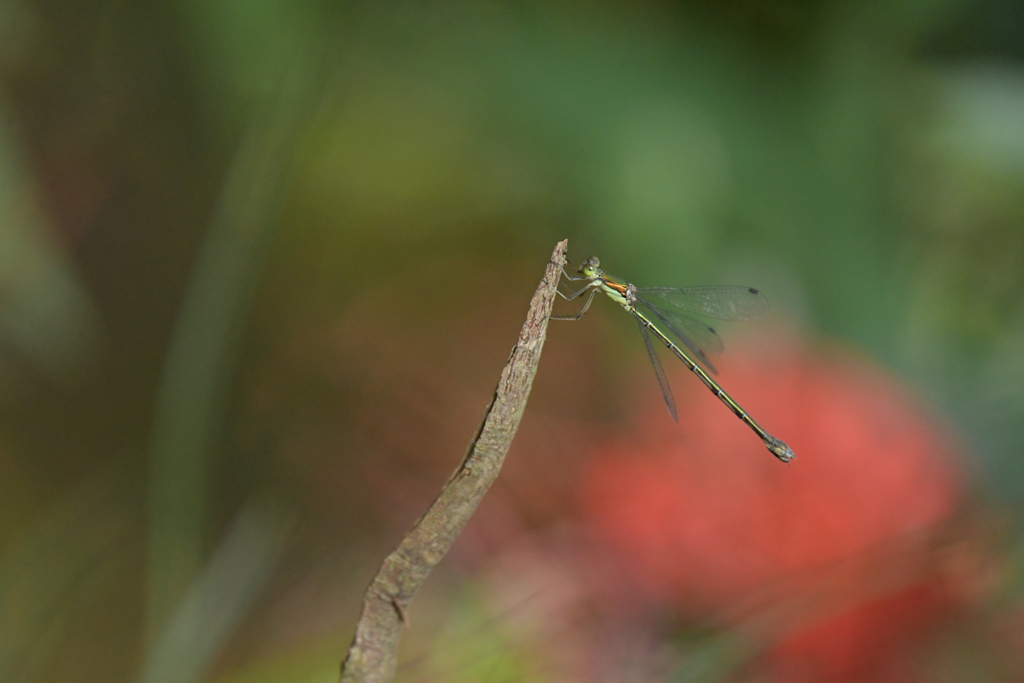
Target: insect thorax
[{"x": 630, "y": 294}]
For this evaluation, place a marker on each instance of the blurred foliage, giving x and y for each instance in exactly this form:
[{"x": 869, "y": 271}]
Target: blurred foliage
[{"x": 260, "y": 263}]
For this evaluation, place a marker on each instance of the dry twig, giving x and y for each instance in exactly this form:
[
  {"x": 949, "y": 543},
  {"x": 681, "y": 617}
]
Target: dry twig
[{"x": 373, "y": 655}]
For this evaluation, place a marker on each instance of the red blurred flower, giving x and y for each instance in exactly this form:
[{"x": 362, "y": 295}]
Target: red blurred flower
[{"x": 829, "y": 562}]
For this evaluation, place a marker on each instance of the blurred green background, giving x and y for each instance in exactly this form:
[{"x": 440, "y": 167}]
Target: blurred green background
[{"x": 262, "y": 262}]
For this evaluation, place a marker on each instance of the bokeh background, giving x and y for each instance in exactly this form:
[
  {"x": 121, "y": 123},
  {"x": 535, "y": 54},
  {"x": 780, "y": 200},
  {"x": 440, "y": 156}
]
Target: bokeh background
[{"x": 261, "y": 263}]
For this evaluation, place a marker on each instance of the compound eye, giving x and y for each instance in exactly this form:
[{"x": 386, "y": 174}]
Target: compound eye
[{"x": 594, "y": 261}]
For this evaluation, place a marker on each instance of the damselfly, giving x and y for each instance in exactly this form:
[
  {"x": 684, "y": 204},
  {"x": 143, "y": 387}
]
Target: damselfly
[{"x": 723, "y": 303}]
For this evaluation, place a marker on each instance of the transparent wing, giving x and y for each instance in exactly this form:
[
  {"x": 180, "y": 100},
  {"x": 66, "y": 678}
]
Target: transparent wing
[
  {"x": 666, "y": 390},
  {"x": 721, "y": 302},
  {"x": 702, "y": 340}
]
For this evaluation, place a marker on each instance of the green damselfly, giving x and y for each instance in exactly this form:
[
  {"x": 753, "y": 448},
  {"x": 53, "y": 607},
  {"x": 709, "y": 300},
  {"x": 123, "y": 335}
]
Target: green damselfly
[{"x": 700, "y": 340}]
